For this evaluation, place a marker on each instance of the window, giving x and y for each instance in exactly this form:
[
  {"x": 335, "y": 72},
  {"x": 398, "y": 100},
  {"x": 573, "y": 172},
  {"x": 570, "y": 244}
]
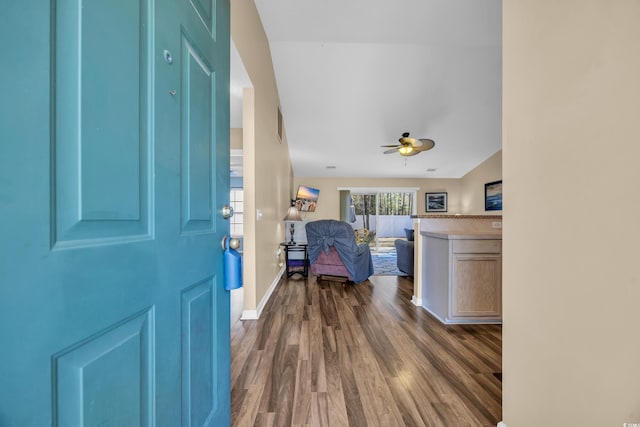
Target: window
[
  {"x": 395, "y": 203},
  {"x": 385, "y": 214},
  {"x": 387, "y": 203},
  {"x": 237, "y": 203}
]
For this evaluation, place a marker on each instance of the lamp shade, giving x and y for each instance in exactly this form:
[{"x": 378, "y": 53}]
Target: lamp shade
[{"x": 292, "y": 214}]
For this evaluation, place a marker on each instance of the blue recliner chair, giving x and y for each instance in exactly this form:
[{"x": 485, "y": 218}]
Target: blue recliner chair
[{"x": 333, "y": 251}]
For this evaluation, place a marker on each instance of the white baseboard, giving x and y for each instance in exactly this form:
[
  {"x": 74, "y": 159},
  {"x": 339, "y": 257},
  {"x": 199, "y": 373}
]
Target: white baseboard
[
  {"x": 502, "y": 424},
  {"x": 448, "y": 321},
  {"x": 249, "y": 315},
  {"x": 415, "y": 301},
  {"x": 255, "y": 314},
  {"x": 434, "y": 314}
]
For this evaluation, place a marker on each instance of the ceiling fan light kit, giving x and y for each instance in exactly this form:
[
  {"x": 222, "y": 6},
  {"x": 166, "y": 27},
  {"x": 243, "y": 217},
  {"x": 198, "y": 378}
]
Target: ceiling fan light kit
[
  {"x": 410, "y": 146},
  {"x": 406, "y": 150}
]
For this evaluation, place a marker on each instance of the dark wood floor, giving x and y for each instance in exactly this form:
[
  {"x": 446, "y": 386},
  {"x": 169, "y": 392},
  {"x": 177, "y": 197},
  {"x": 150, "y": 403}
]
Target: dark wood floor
[{"x": 324, "y": 354}]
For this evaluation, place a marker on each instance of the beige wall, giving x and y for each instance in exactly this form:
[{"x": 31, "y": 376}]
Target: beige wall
[
  {"x": 267, "y": 176},
  {"x": 472, "y": 185},
  {"x": 329, "y": 200},
  {"x": 465, "y": 195},
  {"x": 235, "y": 135},
  {"x": 570, "y": 158}
]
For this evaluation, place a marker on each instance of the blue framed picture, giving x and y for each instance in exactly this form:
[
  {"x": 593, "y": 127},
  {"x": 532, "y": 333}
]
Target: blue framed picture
[{"x": 493, "y": 196}]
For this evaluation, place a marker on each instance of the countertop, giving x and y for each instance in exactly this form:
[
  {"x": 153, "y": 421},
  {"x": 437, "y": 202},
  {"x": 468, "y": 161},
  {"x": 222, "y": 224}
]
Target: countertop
[
  {"x": 449, "y": 216},
  {"x": 464, "y": 235}
]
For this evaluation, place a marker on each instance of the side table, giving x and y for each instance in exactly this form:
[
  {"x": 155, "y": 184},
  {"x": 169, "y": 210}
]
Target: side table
[{"x": 297, "y": 264}]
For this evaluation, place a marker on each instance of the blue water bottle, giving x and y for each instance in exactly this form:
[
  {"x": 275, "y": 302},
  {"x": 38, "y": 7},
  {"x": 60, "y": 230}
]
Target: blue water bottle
[{"x": 232, "y": 268}]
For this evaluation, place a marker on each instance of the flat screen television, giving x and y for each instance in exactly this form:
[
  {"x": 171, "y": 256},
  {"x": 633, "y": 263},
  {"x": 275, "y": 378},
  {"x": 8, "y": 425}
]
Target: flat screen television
[{"x": 307, "y": 198}]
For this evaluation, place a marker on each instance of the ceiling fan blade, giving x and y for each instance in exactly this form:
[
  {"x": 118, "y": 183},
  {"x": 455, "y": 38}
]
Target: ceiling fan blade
[
  {"x": 425, "y": 144},
  {"x": 410, "y": 146}
]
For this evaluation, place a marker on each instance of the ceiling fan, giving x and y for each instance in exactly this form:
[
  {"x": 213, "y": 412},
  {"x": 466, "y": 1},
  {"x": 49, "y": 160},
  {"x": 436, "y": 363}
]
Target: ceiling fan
[{"x": 410, "y": 146}]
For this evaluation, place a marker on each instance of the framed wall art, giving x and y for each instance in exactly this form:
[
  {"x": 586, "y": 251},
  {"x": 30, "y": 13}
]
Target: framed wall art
[
  {"x": 435, "y": 202},
  {"x": 493, "y": 196},
  {"x": 307, "y": 198}
]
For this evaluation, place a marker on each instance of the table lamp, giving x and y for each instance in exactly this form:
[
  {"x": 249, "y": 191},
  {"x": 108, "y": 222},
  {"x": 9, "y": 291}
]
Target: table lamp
[{"x": 292, "y": 216}]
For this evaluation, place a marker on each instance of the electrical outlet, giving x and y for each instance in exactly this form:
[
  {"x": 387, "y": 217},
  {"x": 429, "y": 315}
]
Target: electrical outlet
[{"x": 496, "y": 224}]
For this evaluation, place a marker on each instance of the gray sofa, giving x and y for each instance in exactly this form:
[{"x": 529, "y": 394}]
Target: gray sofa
[{"x": 404, "y": 251}]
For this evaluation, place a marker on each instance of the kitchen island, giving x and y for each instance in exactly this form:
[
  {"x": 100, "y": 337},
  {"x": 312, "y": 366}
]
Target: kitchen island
[{"x": 461, "y": 275}]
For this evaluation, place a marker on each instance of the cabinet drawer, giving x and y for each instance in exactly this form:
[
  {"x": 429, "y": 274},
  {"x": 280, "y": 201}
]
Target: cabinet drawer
[{"x": 477, "y": 246}]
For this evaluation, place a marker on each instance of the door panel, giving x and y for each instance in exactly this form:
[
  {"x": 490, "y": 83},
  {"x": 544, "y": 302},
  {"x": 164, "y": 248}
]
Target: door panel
[
  {"x": 112, "y": 306},
  {"x": 206, "y": 11},
  {"x": 199, "y": 343},
  {"x": 84, "y": 395},
  {"x": 198, "y": 83},
  {"x": 100, "y": 139}
]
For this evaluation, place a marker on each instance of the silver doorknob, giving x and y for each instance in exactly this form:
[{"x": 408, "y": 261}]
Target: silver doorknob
[
  {"x": 227, "y": 211},
  {"x": 233, "y": 243}
]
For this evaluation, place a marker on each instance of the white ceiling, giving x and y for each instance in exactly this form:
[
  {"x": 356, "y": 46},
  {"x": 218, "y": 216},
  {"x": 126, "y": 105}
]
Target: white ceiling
[{"x": 353, "y": 75}]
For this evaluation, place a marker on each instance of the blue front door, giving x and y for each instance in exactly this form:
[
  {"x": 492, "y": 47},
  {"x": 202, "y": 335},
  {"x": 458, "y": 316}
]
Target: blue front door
[{"x": 114, "y": 157}]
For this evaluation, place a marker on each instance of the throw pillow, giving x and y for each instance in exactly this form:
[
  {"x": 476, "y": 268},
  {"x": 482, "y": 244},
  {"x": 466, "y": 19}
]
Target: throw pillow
[{"x": 409, "y": 233}]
